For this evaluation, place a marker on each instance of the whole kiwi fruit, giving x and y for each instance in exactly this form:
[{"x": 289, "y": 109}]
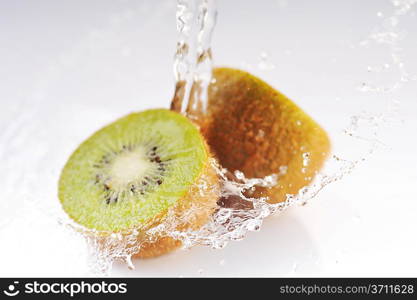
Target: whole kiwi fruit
[{"x": 253, "y": 128}]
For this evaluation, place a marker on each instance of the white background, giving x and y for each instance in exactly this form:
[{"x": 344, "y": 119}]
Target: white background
[{"x": 69, "y": 67}]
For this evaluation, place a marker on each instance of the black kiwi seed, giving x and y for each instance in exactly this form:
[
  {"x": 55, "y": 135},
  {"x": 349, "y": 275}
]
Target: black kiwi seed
[
  {"x": 104, "y": 160},
  {"x": 110, "y": 199},
  {"x": 159, "y": 181}
]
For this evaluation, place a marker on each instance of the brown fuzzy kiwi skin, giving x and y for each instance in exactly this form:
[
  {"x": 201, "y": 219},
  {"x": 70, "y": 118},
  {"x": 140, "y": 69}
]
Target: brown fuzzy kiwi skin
[
  {"x": 201, "y": 206},
  {"x": 255, "y": 129}
]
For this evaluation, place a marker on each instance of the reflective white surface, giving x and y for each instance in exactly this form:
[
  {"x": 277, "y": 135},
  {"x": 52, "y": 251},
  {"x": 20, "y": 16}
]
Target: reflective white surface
[{"x": 69, "y": 67}]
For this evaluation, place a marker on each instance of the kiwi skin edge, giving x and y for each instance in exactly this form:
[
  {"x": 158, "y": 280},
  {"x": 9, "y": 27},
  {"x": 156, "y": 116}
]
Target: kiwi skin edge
[{"x": 255, "y": 129}]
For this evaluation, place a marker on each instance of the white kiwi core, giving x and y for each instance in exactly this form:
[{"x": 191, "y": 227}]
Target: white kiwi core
[{"x": 129, "y": 167}]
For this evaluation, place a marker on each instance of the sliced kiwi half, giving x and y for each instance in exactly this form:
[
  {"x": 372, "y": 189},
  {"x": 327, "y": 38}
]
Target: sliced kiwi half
[
  {"x": 253, "y": 128},
  {"x": 133, "y": 173}
]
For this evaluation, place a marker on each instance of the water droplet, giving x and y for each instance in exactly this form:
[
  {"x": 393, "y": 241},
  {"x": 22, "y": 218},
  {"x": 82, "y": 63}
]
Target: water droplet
[
  {"x": 283, "y": 170},
  {"x": 254, "y": 225},
  {"x": 264, "y": 63},
  {"x": 129, "y": 262},
  {"x": 295, "y": 267},
  {"x": 306, "y": 159}
]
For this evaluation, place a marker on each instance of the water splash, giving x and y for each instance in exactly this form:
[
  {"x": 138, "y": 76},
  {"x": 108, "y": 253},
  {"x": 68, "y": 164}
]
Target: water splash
[{"x": 388, "y": 34}]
